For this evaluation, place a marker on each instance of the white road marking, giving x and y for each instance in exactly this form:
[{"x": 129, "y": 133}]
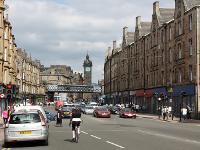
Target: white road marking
[
  {"x": 84, "y": 132},
  {"x": 198, "y": 125},
  {"x": 170, "y": 137},
  {"x": 95, "y": 137},
  {"x": 114, "y": 144}
]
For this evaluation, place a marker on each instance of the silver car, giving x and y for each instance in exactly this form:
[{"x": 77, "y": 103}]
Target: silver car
[
  {"x": 26, "y": 126},
  {"x": 88, "y": 110}
]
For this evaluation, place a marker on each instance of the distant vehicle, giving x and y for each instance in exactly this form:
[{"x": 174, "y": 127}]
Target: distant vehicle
[
  {"x": 26, "y": 126},
  {"x": 101, "y": 112},
  {"x": 50, "y": 116},
  {"x": 88, "y": 110},
  {"x": 58, "y": 104},
  {"x": 114, "y": 110},
  {"x": 127, "y": 113},
  {"x": 68, "y": 105},
  {"x": 67, "y": 112},
  {"x": 93, "y": 104}
]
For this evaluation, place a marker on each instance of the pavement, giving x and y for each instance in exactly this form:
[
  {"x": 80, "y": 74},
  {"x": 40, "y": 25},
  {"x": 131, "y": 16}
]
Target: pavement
[{"x": 175, "y": 119}]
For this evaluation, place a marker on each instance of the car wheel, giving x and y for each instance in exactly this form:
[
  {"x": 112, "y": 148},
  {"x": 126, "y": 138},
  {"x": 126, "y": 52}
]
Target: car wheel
[
  {"x": 134, "y": 117},
  {"x": 6, "y": 144},
  {"x": 45, "y": 142}
]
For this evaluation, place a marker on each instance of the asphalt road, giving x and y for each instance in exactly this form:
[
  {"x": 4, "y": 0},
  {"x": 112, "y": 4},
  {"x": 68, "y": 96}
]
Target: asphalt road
[{"x": 117, "y": 133}]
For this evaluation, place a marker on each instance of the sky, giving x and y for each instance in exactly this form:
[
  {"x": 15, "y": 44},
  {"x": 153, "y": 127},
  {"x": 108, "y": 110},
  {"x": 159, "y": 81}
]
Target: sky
[{"x": 62, "y": 32}]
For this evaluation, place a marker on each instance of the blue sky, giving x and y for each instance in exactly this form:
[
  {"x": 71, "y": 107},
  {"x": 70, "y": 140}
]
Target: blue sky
[{"x": 62, "y": 31}]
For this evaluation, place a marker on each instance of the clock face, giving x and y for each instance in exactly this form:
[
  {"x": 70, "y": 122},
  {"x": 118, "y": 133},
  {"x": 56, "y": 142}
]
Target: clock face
[{"x": 87, "y": 69}]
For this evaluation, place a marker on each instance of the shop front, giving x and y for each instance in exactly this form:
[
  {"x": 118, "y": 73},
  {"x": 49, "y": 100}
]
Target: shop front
[{"x": 188, "y": 100}]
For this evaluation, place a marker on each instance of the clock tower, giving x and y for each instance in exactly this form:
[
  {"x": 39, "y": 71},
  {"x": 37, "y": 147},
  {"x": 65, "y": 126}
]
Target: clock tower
[{"x": 87, "y": 65}]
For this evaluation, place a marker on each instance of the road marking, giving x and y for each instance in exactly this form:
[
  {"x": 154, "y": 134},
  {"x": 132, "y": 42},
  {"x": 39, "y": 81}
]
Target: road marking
[
  {"x": 170, "y": 137},
  {"x": 114, "y": 144},
  {"x": 95, "y": 137},
  {"x": 84, "y": 132},
  {"x": 198, "y": 125}
]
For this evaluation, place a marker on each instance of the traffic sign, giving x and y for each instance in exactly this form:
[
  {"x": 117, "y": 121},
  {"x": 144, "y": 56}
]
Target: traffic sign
[{"x": 2, "y": 95}]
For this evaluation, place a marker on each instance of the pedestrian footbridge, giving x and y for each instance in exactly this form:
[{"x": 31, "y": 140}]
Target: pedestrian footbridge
[{"x": 74, "y": 88}]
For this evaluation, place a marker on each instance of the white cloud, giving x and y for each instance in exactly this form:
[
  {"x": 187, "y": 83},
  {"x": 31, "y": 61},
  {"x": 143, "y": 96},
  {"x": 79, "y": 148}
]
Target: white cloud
[{"x": 62, "y": 31}]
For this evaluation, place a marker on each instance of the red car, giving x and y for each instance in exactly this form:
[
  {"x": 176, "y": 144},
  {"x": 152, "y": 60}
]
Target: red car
[
  {"x": 101, "y": 112},
  {"x": 127, "y": 113}
]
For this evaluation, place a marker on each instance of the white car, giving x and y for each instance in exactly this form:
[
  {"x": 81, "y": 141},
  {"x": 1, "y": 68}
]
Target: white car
[
  {"x": 31, "y": 108},
  {"x": 93, "y": 104},
  {"x": 26, "y": 126},
  {"x": 88, "y": 110}
]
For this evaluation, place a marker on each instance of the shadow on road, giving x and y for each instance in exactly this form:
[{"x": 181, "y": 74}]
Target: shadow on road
[
  {"x": 68, "y": 140},
  {"x": 24, "y": 144}
]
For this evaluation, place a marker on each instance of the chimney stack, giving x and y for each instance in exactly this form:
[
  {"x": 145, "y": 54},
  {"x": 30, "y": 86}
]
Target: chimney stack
[
  {"x": 114, "y": 45},
  {"x": 156, "y": 7}
]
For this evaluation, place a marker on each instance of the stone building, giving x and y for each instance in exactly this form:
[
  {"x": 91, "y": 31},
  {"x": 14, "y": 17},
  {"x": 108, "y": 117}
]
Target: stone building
[
  {"x": 162, "y": 61},
  {"x": 62, "y": 75},
  {"x": 28, "y": 77},
  {"x": 24, "y": 78}
]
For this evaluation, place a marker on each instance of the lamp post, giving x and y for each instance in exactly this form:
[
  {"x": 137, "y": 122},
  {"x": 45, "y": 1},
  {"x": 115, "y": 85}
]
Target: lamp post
[{"x": 159, "y": 107}]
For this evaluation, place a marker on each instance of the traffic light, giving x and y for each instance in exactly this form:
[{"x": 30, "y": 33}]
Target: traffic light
[{"x": 9, "y": 91}]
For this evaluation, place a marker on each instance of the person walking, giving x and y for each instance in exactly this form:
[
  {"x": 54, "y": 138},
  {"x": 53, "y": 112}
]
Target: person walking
[
  {"x": 5, "y": 115},
  {"x": 59, "y": 117},
  {"x": 184, "y": 113}
]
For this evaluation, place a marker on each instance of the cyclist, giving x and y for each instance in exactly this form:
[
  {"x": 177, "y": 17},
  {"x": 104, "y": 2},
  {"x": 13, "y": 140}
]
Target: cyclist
[{"x": 75, "y": 120}]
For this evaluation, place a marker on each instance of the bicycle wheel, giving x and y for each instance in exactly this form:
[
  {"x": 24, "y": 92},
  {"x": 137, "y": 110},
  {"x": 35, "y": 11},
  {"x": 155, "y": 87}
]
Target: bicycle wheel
[{"x": 76, "y": 135}]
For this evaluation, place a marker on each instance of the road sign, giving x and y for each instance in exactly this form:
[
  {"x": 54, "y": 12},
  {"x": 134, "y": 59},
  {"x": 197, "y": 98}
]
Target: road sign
[{"x": 2, "y": 95}]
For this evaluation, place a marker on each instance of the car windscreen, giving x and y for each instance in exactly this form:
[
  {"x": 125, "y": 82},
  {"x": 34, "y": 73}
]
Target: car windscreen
[
  {"x": 24, "y": 118},
  {"x": 127, "y": 110},
  {"x": 67, "y": 109},
  {"x": 89, "y": 107},
  {"x": 102, "y": 109}
]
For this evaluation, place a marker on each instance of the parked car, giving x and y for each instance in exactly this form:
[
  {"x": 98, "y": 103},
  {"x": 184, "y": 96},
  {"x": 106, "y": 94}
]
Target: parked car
[
  {"x": 127, "y": 113},
  {"x": 101, "y": 112},
  {"x": 93, "y": 104},
  {"x": 114, "y": 110},
  {"x": 88, "y": 110},
  {"x": 67, "y": 112},
  {"x": 25, "y": 125},
  {"x": 50, "y": 116}
]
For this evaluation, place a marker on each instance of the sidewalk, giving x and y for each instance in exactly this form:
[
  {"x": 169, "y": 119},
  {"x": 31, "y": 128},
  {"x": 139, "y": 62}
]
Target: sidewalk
[{"x": 155, "y": 117}]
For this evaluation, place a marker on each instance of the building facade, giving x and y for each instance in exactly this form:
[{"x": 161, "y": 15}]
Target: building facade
[
  {"x": 62, "y": 75},
  {"x": 10, "y": 69},
  {"x": 161, "y": 61}
]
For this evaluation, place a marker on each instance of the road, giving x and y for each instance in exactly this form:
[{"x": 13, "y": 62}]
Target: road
[{"x": 117, "y": 133}]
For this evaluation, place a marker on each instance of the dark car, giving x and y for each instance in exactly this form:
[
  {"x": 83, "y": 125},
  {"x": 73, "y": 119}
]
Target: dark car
[
  {"x": 102, "y": 112},
  {"x": 127, "y": 113},
  {"x": 50, "y": 116},
  {"x": 67, "y": 112},
  {"x": 114, "y": 110}
]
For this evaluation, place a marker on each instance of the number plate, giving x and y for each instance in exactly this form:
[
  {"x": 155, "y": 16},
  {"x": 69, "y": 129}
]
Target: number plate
[{"x": 25, "y": 132}]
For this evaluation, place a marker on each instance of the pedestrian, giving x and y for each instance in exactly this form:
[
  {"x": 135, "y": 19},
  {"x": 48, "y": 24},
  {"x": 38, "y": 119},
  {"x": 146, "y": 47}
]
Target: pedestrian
[
  {"x": 159, "y": 112},
  {"x": 164, "y": 112},
  {"x": 184, "y": 113},
  {"x": 5, "y": 116},
  {"x": 59, "y": 117},
  {"x": 189, "y": 110}
]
